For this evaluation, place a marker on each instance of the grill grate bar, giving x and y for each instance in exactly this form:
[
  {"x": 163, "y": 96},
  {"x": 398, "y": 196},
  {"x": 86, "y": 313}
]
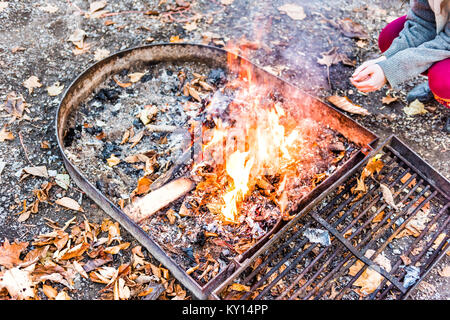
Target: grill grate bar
[{"x": 414, "y": 244}]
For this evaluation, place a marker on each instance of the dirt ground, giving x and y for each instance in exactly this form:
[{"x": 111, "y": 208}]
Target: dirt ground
[{"x": 34, "y": 42}]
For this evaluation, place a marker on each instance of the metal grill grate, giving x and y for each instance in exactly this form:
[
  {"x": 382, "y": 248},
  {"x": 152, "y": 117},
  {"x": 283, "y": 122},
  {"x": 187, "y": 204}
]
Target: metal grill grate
[{"x": 365, "y": 232}]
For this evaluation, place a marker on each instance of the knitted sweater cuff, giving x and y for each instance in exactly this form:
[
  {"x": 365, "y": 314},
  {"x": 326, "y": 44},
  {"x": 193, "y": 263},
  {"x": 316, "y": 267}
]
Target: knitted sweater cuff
[{"x": 391, "y": 72}]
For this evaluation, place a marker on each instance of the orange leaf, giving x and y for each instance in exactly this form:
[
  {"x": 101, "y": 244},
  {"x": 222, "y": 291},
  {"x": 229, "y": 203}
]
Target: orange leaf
[
  {"x": 76, "y": 251},
  {"x": 9, "y": 253}
]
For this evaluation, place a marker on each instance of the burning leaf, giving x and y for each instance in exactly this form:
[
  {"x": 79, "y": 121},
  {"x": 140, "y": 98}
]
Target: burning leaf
[
  {"x": 346, "y": 104},
  {"x": 9, "y": 253},
  {"x": 294, "y": 11},
  {"x": 18, "y": 282},
  {"x": 101, "y": 54},
  {"x": 31, "y": 83},
  {"x": 113, "y": 160},
  {"x": 136, "y": 76},
  {"x": 40, "y": 171},
  {"x": 388, "y": 99},
  {"x": 387, "y": 196},
  {"x": 69, "y": 203},
  {"x": 5, "y": 135},
  {"x": 55, "y": 89},
  {"x": 414, "y": 108}
]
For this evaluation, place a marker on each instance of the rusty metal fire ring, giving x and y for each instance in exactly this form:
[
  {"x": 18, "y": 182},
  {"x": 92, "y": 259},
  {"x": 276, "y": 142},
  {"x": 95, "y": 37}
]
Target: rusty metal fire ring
[{"x": 93, "y": 76}]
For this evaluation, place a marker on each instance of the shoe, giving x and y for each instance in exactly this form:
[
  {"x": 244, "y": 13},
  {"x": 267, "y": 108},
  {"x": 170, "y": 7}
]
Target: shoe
[{"x": 422, "y": 92}]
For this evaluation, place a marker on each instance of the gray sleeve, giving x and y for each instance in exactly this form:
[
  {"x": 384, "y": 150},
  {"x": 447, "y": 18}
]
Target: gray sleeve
[
  {"x": 419, "y": 28},
  {"x": 411, "y": 62}
]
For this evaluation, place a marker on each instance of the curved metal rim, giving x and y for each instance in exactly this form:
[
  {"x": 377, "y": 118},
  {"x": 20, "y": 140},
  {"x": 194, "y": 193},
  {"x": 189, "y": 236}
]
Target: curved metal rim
[{"x": 130, "y": 225}]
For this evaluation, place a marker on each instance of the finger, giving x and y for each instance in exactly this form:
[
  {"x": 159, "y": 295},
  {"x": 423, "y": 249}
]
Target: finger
[
  {"x": 359, "y": 69},
  {"x": 365, "y": 73}
]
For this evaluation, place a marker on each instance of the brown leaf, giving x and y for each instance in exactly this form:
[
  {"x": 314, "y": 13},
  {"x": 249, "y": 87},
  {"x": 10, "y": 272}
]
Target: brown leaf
[
  {"x": 117, "y": 248},
  {"x": 388, "y": 99},
  {"x": 76, "y": 251},
  {"x": 101, "y": 54},
  {"x": 15, "y": 105},
  {"x": 69, "y": 203},
  {"x": 136, "y": 138},
  {"x": 113, "y": 161},
  {"x": 294, "y": 11},
  {"x": 18, "y": 282},
  {"x": 345, "y": 104},
  {"x": 9, "y": 253},
  {"x": 5, "y": 135},
  {"x": 31, "y": 83},
  {"x": 49, "y": 291},
  {"x": 445, "y": 272},
  {"x": 136, "y": 76},
  {"x": 352, "y": 29},
  {"x": 39, "y": 171},
  {"x": 55, "y": 89},
  {"x": 143, "y": 186},
  {"x": 387, "y": 196}
]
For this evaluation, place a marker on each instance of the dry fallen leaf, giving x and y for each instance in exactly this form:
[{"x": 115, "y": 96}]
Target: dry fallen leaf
[
  {"x": 239, "y": 287},
  {"x": 77, "y": 38},
  {"x": 117, "y": 248},
  {"x": 352, "y": 29},
  {"x": 445, "y": 272},
  {"x": 31, "y": 83},
  {"x": 10, "y": 253},
  {"x": 5, "y": 135},
  {"x": 370, "y": 279},
  {"x": 190, "y": 26},
  {"x": 414, "y": 108},
  {"x": 3, "y": 5},
  {"x": 387, "y": 196},
  {"x": 49, "y": 8},
  {"x": 55, "y": 89},
  {"x": 294, "y": 11},
  {"x": 15, "y": 105},
  {"x": 113, "y": 160},
  {"x": 136, "y": 76},
  {"x": 76, "y": 251},
  {"x": 69, "y": 203},
  {"x": 18, "y": 282},
  {"x": 388, "y": 99},
  {"x": 101, "y": 54},
  {"x": 345, "y": 104},
  {"x": 39, "y": 171},
  {"x": 49, "y": 291},
  {"x": 226, "y": 2}
]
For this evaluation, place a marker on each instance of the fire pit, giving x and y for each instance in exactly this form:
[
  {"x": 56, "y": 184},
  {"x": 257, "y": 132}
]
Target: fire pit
[
  {"x": 356, "y": 244},
  {"x": 258, "y": 150}
]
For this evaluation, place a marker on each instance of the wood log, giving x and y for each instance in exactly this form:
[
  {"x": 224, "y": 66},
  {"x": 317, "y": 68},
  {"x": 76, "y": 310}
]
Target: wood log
[{"x": 149, "y": 204}]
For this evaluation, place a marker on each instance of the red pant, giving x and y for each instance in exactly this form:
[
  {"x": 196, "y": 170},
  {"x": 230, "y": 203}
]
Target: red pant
[{"x": 438, "y": 73}]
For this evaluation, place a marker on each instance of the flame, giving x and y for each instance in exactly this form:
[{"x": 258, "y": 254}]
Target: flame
[{"x": 253, "y": 141}]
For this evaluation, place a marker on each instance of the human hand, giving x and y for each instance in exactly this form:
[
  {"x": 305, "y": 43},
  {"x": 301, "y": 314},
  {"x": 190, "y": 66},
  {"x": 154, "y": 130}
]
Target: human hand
[
  {"x": 366, "y": 64},
  {"x": 369, "y": 79}
]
